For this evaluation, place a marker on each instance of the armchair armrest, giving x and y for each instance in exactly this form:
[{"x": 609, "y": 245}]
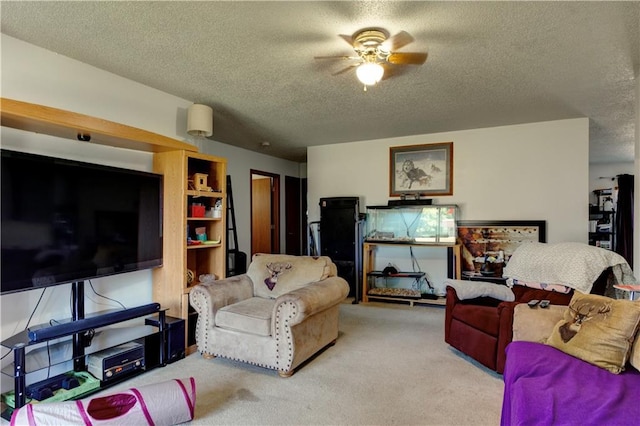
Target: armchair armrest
[
  {"x": 467, "y": 290},
  {"x": 505, "y": 314},
  {"x": 313, "y": 298},
  {"x": 207, "y": 298}
]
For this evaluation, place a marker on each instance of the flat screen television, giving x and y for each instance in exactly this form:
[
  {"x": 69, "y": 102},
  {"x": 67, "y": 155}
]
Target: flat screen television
[{"x": 67, "y": 221}]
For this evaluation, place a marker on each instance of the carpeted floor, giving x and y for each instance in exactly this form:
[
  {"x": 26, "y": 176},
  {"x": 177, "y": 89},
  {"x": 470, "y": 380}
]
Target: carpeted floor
[{"x": 390, "y": 366}]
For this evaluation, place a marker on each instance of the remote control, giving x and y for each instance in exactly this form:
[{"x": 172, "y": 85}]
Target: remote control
[
  {"x": 544, "y": 303},
  {"x": 533, "y": 303}
]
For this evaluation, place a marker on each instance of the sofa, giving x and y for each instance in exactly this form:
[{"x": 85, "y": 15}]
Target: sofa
[
  {"x": 549, "y": 382},
  {"x": 277, "y": 315}
]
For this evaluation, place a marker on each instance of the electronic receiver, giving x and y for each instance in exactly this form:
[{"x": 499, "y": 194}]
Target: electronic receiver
[{"x": 117, "y": 361}]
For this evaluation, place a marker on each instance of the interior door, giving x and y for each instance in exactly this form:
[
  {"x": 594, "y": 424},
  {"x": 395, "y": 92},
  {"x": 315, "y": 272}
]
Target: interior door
[{"x": 265, "y": 212}]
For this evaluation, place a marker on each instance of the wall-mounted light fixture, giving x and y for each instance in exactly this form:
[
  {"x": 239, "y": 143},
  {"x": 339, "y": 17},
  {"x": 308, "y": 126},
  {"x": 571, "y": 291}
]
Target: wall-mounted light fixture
[{"x": 200, "y": 120}]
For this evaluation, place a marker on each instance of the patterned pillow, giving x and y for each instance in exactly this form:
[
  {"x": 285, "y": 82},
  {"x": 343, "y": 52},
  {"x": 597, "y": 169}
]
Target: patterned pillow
[
  {"x": 598, "y": 330},
  {"x": 276, "y": 274}
]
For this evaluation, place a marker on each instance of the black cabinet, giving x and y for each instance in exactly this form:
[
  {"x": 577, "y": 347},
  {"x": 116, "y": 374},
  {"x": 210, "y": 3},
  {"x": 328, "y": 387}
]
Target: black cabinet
[{"x": 340, "y": 237}]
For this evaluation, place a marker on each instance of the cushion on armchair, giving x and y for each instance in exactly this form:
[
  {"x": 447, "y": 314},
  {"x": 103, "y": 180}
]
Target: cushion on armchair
[
  {"x": 276, "y": 274},
  {"x": 251, "y": 315},
  {"x": 535, "y": 324}
]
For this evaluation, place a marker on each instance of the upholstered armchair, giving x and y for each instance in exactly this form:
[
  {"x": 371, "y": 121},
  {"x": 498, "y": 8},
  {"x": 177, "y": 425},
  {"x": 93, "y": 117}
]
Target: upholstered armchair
[
  {"x": 481, "y": 327},
  {"x": 276, "y": 316},
  {"x": 479, "y": 316}
]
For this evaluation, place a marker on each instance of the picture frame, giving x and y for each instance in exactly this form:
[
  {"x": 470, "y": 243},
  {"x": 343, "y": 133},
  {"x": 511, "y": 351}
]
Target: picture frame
[
  {"x": 480, "y": 238},
  {"x": 421, "y": 170}
]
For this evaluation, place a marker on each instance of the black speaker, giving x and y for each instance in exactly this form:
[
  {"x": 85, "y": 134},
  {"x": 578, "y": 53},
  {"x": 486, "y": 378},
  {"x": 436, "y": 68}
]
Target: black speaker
[
  {"x": 174, "y": 345},
  {"x": 339, "y": 238}
]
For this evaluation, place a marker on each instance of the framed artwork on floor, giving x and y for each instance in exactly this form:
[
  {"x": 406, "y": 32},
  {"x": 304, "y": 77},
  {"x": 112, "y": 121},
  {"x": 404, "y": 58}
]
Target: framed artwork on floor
[
  {"x": 416, "y": 170},
  {"x": 483, "y": 238}
]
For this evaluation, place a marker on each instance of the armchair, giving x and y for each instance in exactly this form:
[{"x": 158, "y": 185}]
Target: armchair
[
  {"x": 276, "y": 316},
  {"x": 481, "y": 327}
]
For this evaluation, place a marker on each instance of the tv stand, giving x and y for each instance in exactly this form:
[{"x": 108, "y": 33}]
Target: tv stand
[{"x": 78, "y": 328}]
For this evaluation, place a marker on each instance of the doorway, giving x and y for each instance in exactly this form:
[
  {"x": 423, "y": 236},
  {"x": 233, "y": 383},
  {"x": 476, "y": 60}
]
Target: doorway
[
  {"x": 295, "y": 214},
  {"x": 265, "y": 212}
]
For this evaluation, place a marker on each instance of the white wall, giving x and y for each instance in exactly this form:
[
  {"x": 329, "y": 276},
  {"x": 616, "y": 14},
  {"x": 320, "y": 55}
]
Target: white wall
[
  {"x": 39, "y": 76},
  {"x": 533, "y": 171}
]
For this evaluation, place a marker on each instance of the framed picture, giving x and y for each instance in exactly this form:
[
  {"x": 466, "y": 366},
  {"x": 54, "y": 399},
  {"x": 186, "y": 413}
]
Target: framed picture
[
  {"x": 416, "y": 170},
  {"x": 480, "y": 239}
]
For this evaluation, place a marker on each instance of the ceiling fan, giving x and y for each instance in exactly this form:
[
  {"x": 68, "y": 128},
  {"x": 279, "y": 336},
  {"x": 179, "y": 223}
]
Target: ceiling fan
[{"x": 376, "y": 51}]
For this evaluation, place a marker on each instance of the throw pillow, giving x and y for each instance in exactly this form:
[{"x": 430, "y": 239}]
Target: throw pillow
[
  {"x": 276, "y": 274},
  {"x": 598, "y": 330}
]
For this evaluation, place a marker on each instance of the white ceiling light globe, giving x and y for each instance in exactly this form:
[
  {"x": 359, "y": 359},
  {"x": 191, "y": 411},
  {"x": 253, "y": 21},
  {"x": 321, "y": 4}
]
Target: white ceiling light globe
[{"x": 369, "y": 73}]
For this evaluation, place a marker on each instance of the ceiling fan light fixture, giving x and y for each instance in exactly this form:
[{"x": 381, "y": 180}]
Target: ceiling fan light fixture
[{"x": 369, "y": 73}]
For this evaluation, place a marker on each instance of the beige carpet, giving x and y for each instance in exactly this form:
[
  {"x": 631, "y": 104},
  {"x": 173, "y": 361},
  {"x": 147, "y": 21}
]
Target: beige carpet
[{"x": 390, "y": 366}]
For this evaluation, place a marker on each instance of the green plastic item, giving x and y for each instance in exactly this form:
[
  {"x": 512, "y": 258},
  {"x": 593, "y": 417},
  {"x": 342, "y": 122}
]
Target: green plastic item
[{"x": 87, "y": 383}]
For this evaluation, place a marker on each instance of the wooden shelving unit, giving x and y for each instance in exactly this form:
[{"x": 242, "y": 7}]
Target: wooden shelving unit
[
  {"x": 171, "y": 285},
  {"x": 176, "y": 160},
  {"x": 75, "y": 126},
  {"x": 369, "y": 263}
]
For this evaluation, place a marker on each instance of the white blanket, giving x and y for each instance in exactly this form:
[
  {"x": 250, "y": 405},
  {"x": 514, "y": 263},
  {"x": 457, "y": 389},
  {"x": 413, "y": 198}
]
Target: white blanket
[
  {"x": 471, "y": 289},
  {"x": 575, "y": 265}
]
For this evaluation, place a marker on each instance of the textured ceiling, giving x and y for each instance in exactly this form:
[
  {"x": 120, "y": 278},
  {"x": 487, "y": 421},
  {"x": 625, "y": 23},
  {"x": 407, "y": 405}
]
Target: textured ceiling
[{"x": 490, "y": 64}]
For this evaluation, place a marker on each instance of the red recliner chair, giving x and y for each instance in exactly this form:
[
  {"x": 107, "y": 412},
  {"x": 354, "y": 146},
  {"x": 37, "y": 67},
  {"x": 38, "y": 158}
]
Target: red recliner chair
[{"x": 483, "y": 327}]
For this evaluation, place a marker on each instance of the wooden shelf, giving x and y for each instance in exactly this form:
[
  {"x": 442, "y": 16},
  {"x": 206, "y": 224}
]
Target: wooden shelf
[
  {"x": 368, "y": 258},
  {"x": 170, "y": 286},
  {"x": 214, "y": 194},
  {"x": 441, "y": 301},
  {"x": 203, "y": 246},
  {"x": 69, "y": 125},
  {"x": 397, "y": 275}
]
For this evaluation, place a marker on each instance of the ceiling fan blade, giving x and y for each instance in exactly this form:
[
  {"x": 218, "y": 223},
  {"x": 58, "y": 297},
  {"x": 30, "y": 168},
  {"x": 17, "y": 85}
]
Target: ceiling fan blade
[
  {"x": 344, "y": 57},
  {"x": 397, "y": 41},
  {"x": 349, "y": 68},
  {"x": 389, "y": 70},
  {"x": 407, "y": 58}
]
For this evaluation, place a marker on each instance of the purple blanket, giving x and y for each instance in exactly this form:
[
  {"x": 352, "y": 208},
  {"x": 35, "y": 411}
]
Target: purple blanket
[{"x": 544, "y": 386}]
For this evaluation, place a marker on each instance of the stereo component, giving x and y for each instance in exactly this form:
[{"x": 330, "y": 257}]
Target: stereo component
[{"x": 114, "y": 362}]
